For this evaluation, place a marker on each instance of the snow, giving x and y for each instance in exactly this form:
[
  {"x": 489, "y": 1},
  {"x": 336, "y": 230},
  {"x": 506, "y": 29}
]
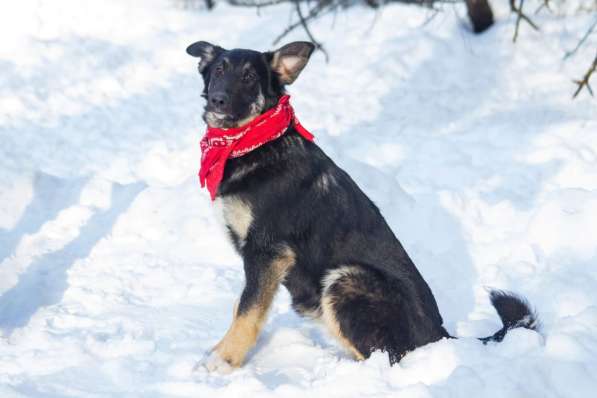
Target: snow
[{"x": 116, "y": 276}]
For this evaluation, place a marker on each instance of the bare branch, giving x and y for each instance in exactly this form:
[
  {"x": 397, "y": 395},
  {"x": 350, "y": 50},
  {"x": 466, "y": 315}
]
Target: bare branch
[
  {"x": 256, "y": 3},
  {"x": 313, "y": 13},
  {"x": 521, "y": 16},
  {"x": 306, "y": 27},
  {"x": 582, "y": 40},
  {"x": 343, "y": 3},
  {"x": 584, "y": 82},
  {"x": 543, "y": 5}
]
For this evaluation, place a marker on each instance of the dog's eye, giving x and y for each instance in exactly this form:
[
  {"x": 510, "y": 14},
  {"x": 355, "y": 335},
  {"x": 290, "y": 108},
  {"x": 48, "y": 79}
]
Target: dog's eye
[
  {"x": 219, "y": 71},
  {"x": 249, "y": 77}
]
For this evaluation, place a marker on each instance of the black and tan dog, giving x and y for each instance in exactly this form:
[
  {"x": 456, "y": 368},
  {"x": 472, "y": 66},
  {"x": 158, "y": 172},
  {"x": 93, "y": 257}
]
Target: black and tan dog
[{"x": 299, "y": 220}]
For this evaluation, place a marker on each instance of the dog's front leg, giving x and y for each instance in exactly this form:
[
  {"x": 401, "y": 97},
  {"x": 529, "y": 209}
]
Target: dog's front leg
[{"x": 264, "y": 270}]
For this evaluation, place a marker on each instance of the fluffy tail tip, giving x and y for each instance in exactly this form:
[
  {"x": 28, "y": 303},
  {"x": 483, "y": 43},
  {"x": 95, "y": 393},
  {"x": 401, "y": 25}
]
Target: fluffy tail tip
[{"x": 514, "y": 311}]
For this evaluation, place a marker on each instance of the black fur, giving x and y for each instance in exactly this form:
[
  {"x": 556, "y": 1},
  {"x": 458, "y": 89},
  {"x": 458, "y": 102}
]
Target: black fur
[
  {"x": 514, "y": 311},
  {"x": 299, "y": 198}
]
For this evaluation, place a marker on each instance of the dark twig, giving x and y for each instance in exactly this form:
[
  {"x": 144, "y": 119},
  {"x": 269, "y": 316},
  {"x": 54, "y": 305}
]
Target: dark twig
[
  {"x": 584, "y": 82},
  {"x": 374, "y": 20},
  {"x": 306, "y": 27},
  {"x": 258, "y": 3},
  {"x": 313, "y": 13},
  {"x": 581, "y": 42},
  {"x": 521, "y": 16},
  {"x": 322, "y": 7},
  {"x": 543, "y": 5},
  {"x": 431, "y": 17},
  {"x": 341, "y": 3}
]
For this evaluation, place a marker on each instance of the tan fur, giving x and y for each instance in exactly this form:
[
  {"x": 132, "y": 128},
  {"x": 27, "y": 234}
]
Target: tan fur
[
  {"x": 286, "y": 67},
  {"x": 238, "y": 216},
  {"x": 246, "y": 120},
  {"x": 241, "y": 336},
  {"x": 246, "y": 326},
  {"x": 328, "y": 313}
]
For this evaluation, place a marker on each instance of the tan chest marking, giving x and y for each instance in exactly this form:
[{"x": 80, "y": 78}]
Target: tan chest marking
[{"x": 237, "y": 216}]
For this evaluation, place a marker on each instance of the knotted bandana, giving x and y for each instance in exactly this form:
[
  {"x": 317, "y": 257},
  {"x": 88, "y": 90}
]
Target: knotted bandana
[{"x": 219, "y": 145}]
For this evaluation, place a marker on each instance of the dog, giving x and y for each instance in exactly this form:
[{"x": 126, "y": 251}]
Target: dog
[{"x": 299, "y": 220}]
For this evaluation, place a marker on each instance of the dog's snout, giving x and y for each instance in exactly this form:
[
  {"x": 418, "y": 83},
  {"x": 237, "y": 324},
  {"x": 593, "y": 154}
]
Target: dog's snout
[{"x": 219, "y": 101}]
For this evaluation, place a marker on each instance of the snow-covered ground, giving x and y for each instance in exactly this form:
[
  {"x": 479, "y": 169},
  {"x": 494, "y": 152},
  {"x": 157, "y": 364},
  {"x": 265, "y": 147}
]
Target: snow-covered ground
[{"x": 115, "y": 276}]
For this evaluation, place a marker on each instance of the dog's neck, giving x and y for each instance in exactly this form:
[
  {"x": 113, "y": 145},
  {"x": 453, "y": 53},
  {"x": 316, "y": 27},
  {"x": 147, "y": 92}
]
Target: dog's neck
[{"x": 219, "y": 145}]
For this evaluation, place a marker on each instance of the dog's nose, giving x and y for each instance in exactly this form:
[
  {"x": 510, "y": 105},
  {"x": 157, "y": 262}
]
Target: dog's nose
[{"x": 219, "y": 100}]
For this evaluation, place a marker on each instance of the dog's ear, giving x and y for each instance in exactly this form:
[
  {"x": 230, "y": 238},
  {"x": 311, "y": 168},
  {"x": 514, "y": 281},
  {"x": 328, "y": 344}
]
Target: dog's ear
[
  {"x": 289, "y": 60},
  {"x": 206, "y": 51}
]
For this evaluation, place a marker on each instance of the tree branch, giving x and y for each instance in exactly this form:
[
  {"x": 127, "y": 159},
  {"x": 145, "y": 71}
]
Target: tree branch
[
  {"x": 545, "y": 4},
  {"x": 521, "y": 16},
  {"x": 318, "y": 45},
  {"x": 581, "y": 42},
  {"x": 256, "y": 3},
  {"x": 313, "y": 13},
  {"x": 584, "y": 82}
]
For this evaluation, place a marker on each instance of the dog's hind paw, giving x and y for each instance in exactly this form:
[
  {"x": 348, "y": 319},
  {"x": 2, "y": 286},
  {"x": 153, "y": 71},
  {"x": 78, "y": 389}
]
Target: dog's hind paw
[{"x": 213, "y": 362}]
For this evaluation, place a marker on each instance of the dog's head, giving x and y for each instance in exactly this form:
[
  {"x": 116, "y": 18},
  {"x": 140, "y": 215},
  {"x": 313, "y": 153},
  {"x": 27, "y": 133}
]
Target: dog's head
[{"x": 240, "y": 84}]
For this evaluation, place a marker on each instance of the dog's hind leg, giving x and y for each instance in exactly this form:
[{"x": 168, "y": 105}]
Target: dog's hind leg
[{"x": 367, "y": 311}]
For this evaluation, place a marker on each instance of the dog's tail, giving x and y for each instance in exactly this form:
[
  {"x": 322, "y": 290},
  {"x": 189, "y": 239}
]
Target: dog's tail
[{"x": 514, "y": 311}]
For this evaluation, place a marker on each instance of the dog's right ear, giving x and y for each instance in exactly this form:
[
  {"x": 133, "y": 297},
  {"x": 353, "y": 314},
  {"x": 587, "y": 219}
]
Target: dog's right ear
[{"x": 206, "y": 51}]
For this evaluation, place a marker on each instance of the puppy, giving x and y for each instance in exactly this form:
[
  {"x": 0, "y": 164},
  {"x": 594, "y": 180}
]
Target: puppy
[{"x": 299, "y": 220}]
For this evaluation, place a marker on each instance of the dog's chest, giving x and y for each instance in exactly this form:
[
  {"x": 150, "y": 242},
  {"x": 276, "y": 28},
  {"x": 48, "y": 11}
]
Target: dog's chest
[{"x": 237, "y": 216}]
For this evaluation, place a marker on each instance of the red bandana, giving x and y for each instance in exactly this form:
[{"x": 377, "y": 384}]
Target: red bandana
[{"x": 218, "y": 145}]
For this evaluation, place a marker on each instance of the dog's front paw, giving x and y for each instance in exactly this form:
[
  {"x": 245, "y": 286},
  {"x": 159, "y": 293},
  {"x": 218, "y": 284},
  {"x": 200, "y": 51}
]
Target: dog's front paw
[{"x": 215, "y": 363}]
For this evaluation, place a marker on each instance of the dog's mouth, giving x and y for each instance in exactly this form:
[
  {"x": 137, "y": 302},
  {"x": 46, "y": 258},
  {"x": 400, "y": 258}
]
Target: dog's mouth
[
  {"x": 233, "y": 117},
  {"x": 226, "y": 120},
  {"x": 222, "y": 116},
  {"x": 219, "y": 119}
]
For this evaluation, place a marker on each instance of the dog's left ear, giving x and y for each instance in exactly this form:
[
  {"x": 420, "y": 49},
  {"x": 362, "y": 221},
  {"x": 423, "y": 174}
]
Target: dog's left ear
[
  {"x": 289, "y": 60},
  {"x": 206, "y": 51}
]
